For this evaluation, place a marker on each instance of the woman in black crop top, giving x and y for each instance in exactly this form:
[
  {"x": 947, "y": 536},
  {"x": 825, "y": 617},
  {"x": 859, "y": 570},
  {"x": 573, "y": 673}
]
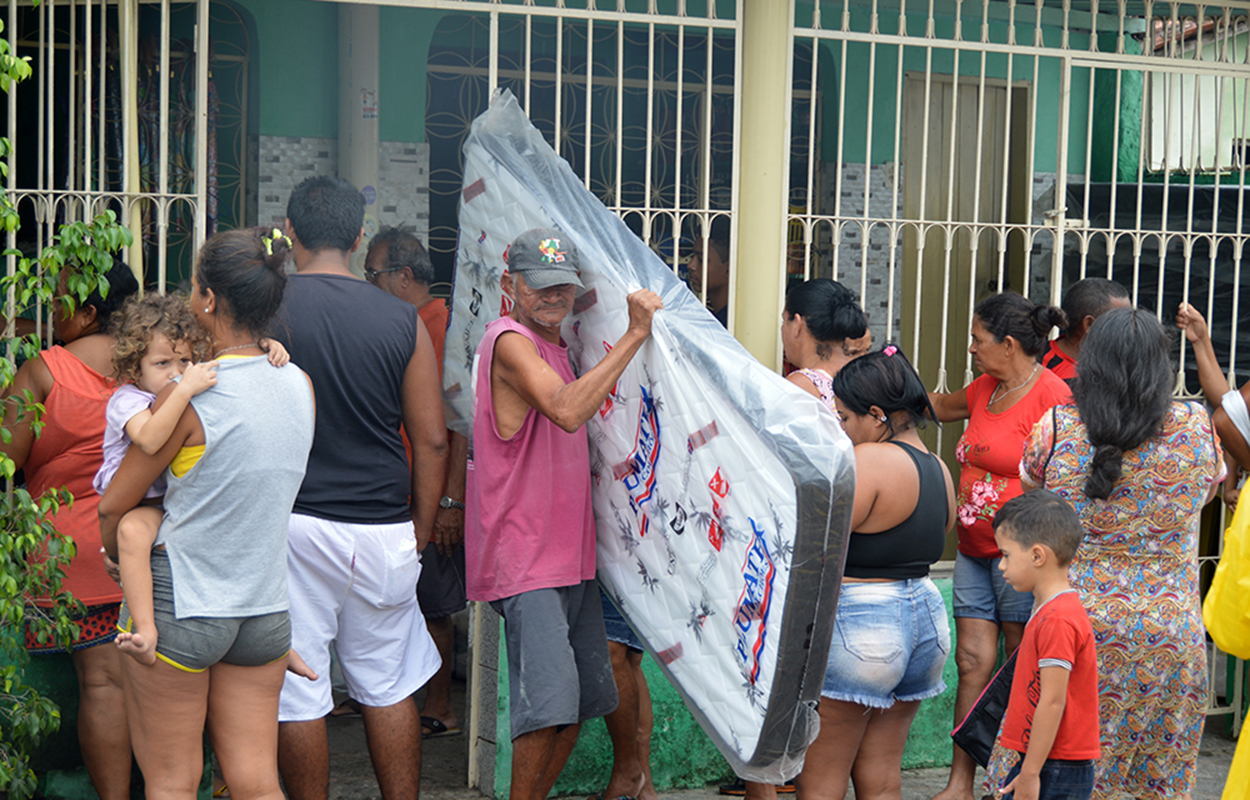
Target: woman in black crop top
[{"x": 891, "y": 638}]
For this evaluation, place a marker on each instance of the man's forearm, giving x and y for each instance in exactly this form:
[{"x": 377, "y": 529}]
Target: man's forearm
[
  {"x": 429, "y": 473},
  {"x": 457, "y": 461},
  {"x": 578, "y": 401}
]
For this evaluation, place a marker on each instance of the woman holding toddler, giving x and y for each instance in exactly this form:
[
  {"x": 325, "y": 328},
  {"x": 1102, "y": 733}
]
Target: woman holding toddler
[{"x": 233, "y": 465}]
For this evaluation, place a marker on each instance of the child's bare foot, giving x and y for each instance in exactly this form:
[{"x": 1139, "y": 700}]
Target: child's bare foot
[
  {"x": 296, "y": 665},
  {"x": 139, "y": 645}
]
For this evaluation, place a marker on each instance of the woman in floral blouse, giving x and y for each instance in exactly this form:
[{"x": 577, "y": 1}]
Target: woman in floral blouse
[
  {"x": 1138, "y": 467},
  {"x": 1009, "y": 333}
]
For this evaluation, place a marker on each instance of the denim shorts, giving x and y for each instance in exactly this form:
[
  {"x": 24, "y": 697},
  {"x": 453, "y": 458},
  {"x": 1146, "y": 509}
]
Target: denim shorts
[
  {"x": 890, "y": 642},
  {"x": 616, "y": 626},
  {"x": 1061, "y": 780},
  {"x": 981, "y": 592}
]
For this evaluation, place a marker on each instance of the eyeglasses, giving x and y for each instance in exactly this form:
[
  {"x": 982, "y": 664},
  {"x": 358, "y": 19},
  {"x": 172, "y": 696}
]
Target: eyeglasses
[{"x": 371, "y": 275}]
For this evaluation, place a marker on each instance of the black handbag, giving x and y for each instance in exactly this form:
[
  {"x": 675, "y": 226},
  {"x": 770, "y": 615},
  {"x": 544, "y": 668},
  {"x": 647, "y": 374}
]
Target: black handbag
[{"x": 976, "y": 733}]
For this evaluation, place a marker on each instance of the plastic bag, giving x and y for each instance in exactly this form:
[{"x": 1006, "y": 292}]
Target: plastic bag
[
  {"x": 722, "y": 492},
  {"x": 1237, "y": 786},
  {"x": 1226, "y": 610}
]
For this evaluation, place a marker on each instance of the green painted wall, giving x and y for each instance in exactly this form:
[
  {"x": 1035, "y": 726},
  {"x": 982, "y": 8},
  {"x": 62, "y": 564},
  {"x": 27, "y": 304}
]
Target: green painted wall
[
  {"x": 405, "y": 35},
  {"x": 297, "y": 46},
  {"x": 1105, "y": 166},
  {"x": 297, "y": 57},
  {"x": 682, "y": 756}
]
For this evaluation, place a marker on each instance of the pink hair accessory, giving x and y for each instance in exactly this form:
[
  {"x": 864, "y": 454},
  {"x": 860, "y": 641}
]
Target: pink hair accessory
[{"x": 890, "y": 350}]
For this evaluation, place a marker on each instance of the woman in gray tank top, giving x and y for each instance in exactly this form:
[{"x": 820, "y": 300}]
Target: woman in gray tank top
[{"x": 234, "y": 465}]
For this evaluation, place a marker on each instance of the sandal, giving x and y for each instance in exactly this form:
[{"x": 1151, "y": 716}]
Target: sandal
[
  {"x": 437, "y": 728},
  {"x": 739, "y": 788},
  {"x": 347, "y": 708}
]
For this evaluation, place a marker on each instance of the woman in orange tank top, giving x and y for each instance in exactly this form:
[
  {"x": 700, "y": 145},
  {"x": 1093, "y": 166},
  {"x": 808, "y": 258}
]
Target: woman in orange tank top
[{"x": 70, "y": 381}]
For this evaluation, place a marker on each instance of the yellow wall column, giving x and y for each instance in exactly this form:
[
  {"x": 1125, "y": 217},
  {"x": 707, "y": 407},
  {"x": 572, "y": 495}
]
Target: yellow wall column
[
  {"x": 763, "y": 153},
  {"x": 128, "y": 23}
]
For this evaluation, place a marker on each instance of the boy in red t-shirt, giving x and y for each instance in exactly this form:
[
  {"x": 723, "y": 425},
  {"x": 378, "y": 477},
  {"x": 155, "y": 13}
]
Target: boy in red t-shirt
[{"x": 1052, "y": 713}]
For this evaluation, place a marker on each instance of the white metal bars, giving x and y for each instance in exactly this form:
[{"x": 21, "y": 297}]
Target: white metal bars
[
  {"x": 642, "y": 102},
  {"x": 601, "y": 84},
  {"x": 1152, "y": 97},
  {"x": 75, "y": 125},
  {"x": 959, "y": 147}
]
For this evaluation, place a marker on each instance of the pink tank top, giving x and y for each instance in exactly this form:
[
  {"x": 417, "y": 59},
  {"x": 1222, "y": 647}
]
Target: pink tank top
[{"x": 529, "y": 523}]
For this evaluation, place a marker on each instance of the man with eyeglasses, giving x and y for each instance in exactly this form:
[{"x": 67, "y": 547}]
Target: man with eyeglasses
[
  {"x": 398, "y": 264},
  {"x": 362, "y": 514}
]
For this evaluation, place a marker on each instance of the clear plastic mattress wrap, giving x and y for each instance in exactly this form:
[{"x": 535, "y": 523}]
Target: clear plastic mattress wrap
[{"x": 722, "y": 493}]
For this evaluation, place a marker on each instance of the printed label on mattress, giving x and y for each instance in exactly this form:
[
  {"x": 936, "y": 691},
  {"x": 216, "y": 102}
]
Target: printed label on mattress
[
  {"x": 639, "y": 478},
  {"x": 751, "y": 619}
]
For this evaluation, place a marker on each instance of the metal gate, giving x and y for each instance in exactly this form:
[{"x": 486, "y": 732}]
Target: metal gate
[
  {"x": 641, "y": 98},
  {"x": 938, "y": 151},
  {"x": 80, "y": 114},
  {"x": 642, "y": 104},
  {"x": 971, "y": 146}
]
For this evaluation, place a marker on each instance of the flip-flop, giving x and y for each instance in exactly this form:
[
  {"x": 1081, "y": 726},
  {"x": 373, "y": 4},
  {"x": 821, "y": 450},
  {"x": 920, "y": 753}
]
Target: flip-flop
[
  {"x": 437, "y": 728},
  {"x": 618, "y": 797},
  {"x": 739, "y": 788},
  {"x": 347, "y": 708}
]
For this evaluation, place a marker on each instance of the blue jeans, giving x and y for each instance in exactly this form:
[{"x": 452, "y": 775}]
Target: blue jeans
[{"x": 1061, "y": 780}]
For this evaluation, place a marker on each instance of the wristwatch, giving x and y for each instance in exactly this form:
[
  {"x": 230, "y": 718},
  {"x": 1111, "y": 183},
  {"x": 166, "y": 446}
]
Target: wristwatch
[{"x": 447, "y": 502}]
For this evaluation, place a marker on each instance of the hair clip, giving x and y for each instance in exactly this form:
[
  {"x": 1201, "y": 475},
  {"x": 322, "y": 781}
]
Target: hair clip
[
  {"x": 269, "y": 240},
  {"x": 890, "y": 350}
]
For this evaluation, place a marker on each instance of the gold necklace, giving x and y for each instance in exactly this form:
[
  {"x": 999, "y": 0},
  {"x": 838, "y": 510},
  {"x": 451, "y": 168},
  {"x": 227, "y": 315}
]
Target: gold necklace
[
  {"x": 994, "y": 400},
  {"x": 236, "y": 347}
]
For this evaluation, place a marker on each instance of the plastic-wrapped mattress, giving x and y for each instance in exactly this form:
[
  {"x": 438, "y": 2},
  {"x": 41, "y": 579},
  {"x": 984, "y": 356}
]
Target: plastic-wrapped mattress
[{"x": 722, "y": 493}]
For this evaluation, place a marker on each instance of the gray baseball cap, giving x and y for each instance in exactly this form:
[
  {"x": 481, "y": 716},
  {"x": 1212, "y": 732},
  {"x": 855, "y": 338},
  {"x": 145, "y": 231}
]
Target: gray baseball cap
[{"x": 546, "y": 257}]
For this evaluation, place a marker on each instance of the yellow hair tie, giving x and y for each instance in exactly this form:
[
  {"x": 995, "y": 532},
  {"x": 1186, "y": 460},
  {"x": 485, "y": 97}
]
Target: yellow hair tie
[{"x": 270, "y": 239}]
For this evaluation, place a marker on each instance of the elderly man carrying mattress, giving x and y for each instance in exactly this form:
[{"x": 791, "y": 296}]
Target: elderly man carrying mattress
[{"x": 529, "y": 525}]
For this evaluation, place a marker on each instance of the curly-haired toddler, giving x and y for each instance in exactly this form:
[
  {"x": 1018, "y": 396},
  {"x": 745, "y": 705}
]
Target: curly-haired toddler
[{"x": 158, "y": 341}]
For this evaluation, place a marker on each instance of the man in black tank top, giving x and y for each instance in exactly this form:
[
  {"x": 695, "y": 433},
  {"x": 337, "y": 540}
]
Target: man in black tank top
[
  {"x": 398, "y": 264},
  {"x": 352, "y": 555}
]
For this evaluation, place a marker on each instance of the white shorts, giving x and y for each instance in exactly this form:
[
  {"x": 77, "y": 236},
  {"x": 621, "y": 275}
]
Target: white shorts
[{"x": 355, "y": 585}]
